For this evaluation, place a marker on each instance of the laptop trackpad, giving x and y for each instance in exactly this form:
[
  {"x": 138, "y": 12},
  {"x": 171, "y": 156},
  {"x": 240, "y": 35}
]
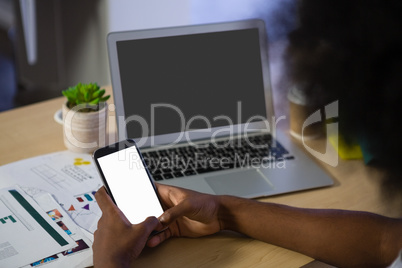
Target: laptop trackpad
[{"x": 244, "y": 183}]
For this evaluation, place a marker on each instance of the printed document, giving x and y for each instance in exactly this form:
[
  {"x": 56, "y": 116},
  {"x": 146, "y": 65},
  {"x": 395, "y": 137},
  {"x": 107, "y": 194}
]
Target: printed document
[{"x": 27, "y": 233}]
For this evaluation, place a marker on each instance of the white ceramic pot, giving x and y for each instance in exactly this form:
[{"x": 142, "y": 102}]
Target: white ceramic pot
[{"x": 84, "y": 131}]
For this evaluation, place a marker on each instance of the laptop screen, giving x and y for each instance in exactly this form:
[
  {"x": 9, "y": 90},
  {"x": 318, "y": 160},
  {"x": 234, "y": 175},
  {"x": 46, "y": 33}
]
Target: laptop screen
[{"x": 191, "y": 82}]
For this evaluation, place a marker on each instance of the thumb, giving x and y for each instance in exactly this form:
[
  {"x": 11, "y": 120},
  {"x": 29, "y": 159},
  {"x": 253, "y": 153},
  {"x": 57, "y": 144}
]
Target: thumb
[
  {"x": 103, "y": 199},
  {"x": 182, "y": 209},
  {"x": 150, "y": 224}
]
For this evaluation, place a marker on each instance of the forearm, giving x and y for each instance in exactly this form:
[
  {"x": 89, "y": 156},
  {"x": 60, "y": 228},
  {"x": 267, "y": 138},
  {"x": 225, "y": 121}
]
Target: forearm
[{"x": 343, "y": 238}]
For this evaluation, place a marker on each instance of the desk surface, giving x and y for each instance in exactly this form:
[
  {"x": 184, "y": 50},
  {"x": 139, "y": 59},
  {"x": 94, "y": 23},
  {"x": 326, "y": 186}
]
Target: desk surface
[{"x": 31, "y": 131}]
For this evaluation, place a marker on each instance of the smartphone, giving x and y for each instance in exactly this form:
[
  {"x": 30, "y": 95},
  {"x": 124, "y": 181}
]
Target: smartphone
[{"x": 128, "y": 181}]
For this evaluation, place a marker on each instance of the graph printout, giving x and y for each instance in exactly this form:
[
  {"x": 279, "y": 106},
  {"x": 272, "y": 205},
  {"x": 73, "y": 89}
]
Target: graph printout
[
  {"x": 22, "y": 220},
  {"x": 70, "y": 178}
]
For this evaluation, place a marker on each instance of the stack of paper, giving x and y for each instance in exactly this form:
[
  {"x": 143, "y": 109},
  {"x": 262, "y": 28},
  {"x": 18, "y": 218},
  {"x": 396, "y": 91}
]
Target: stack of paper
[
  {"x": 39, "y": 231},
  {"x": 48, "y": 211}
]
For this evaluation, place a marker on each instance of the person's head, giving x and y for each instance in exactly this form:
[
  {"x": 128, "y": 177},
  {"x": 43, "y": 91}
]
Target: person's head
[{"x": 351, "y": 51}]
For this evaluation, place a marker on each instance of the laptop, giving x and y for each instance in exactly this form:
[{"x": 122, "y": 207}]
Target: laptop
[{"x": 197, "y": 100}]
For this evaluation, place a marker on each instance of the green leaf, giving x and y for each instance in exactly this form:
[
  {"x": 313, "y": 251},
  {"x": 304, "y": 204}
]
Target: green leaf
[
  {"x": 105, "y": 98},
  {"x": 99, "y": 93},
  {"x": 95, "y": 94},
  {"x": 86, "y": 96},
  {"x": 95, "y": 101},
  {"x": 81, "y": 88},
  {"x": 85, "y": 93},
  {"x": 72, "y": 94},
  {"x": 102, "y": 92}
]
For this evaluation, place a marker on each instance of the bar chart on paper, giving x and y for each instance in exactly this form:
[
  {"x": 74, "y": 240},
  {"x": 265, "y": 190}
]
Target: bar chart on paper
[
  {"x": 85, "y": 200},
  {"x": 71, "y": 178},
  {"x": 9, "y": 219}
]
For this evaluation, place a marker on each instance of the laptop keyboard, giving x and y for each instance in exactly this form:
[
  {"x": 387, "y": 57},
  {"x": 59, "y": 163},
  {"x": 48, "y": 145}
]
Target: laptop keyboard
[{"x": 253, "y": 151}]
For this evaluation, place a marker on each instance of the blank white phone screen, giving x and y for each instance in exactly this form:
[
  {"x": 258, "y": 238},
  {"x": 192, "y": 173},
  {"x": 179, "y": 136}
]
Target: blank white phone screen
[{"x": 130, "y": 185}]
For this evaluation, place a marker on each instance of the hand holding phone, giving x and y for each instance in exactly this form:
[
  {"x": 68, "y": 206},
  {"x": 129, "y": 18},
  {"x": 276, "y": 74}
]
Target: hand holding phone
[{"x": 127, "y": 180}]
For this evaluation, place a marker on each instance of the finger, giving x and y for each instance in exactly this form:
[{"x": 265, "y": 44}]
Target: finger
[
  {"x": 174, "y": 189},
  {"x": 162, "y": 189},
  {"x": 150, "y": 224},
  {"x": 159, "y": 238},
  {"x": 165, "y": 193},
  {"x": 170, "y": 194},
  {"x": 182, "y": 209},
  {"x": 103, "y": 199},
  {"x": 157, "y": 185}
]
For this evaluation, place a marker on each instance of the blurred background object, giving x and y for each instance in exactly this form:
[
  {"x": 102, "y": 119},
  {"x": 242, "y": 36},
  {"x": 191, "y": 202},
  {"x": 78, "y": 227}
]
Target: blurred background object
[
  {"x": 49, "y": 45},
  {"x": 58, "y": 44},
  {"x": 8, "y": 82}
]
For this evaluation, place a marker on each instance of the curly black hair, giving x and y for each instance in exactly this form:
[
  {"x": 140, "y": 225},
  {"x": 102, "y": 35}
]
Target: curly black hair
[{"x": 351, "y": 51}]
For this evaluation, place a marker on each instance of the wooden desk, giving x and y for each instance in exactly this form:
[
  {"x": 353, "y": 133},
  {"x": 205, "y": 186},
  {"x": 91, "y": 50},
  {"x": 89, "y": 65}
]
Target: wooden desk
[{"x": 31, "y": 131}]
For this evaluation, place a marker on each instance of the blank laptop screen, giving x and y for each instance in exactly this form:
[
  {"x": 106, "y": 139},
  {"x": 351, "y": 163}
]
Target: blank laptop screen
[{"x": 214, "y": 77}]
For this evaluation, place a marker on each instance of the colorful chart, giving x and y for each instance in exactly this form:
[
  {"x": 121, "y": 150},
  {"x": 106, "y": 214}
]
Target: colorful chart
[{"x": 86, "y": 197}]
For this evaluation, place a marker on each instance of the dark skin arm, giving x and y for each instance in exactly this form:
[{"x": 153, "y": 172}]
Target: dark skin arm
[{"x": 338, "y": 237}]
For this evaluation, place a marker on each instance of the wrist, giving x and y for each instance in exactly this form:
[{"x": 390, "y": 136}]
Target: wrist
[{"x": 227, "y": 212}]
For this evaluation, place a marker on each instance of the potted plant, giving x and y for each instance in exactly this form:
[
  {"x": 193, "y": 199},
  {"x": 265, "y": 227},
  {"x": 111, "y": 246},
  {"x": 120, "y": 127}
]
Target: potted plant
[{"x": 84, "y": 117}]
